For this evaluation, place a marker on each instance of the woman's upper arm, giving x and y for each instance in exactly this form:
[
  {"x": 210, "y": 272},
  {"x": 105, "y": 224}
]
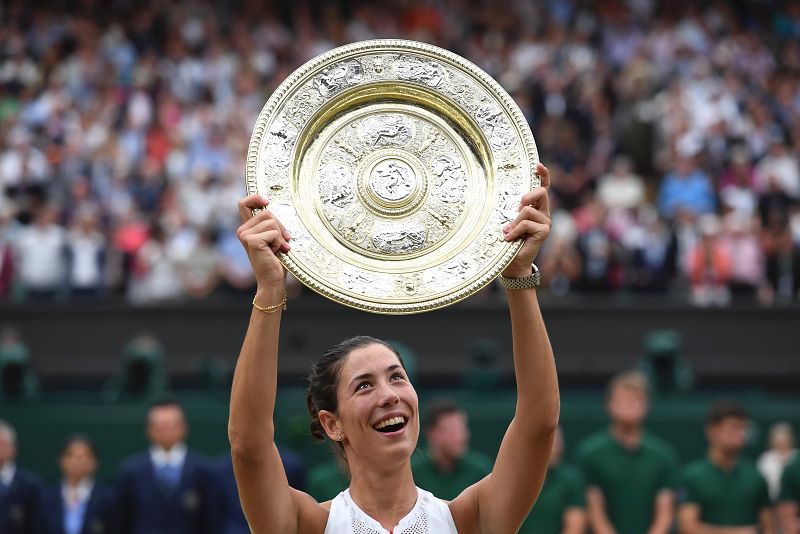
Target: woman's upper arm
[{"x": 269, "y": 503}]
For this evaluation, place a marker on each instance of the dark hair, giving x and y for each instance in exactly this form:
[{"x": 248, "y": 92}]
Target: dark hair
[
  {"x": 77, "y": 437},
  {"x": 439, "y": 408},
  {"x": 323, "y": 381},
  {"x": 723, "y": 409}
]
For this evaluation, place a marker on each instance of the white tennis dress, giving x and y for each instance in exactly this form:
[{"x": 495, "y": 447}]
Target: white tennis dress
[{"x": 429, "y": 516}]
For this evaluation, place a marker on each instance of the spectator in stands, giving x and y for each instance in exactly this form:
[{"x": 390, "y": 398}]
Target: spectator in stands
[
  {"x": 686, "y": 188},
  {"x": 20, "y": 491},
  {"x": 7, "y": 268},
  {"x": 39, "y": 249},
  {"x": 655, "y": 249},
  {"x": 78, "y": 504},
  {"x": 448, "y": 466},
  {"x": 617, "y": 501},
  {"x": 723, "y": 489},
  {"x": 561, "y": 506},
  {"x": 167, "y": 488},
  {"x": 86, "y": 251},
  {"x": 621, "y": 189},
  {"x": 789, "y": 499},
  {"x": 782, "y": 261},
  {"x": 774, "y": 460},
  {"x": 709, "y": 267}
]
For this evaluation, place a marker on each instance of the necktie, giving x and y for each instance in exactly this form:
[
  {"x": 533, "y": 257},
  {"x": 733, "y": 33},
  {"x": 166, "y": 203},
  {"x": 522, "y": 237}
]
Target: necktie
[{"x": 168, "y": 477}]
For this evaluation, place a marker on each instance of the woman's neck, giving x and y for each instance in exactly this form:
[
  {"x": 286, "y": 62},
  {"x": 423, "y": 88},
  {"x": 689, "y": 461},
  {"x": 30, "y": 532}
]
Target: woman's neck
[{"x": 387, "y": 495}]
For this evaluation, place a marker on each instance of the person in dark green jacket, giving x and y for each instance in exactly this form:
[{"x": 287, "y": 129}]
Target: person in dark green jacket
[
  {"x": 448, "y": 467},
  {"x": 561, "y": 506},
  {"x": 724, "y": 492},
  {"x": 631, "y": 475},
  {"x": 789, "y": 499}
]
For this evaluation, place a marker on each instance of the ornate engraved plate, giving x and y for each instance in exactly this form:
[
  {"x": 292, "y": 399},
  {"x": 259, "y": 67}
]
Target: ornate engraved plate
[{"x": 394, "y": 164}]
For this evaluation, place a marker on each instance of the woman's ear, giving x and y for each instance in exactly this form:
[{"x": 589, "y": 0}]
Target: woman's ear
[{"x": 330, "y": 423}]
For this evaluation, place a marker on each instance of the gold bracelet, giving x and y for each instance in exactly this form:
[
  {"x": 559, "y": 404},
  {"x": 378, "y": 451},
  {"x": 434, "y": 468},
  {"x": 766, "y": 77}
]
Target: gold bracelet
[{"x": 271, "y": 309}]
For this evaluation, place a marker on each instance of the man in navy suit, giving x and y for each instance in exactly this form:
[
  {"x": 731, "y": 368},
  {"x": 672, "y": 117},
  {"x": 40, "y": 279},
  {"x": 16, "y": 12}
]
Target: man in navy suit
[
  {"x": 166, "y": 489},
  {"x": 20, "y": 491},
  {"x": 78, "y": 505}
]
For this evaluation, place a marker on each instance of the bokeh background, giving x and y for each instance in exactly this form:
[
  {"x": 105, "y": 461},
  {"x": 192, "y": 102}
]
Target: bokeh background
[{"x": 671, "y": 130}]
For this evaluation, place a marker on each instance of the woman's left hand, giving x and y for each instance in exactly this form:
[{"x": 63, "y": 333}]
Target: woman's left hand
[{"x": 532, "y": 224}]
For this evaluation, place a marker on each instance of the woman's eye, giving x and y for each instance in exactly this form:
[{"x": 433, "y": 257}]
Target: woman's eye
[
  {"x": 363, "y": 385},
  {"x": 398, "y": 375}
]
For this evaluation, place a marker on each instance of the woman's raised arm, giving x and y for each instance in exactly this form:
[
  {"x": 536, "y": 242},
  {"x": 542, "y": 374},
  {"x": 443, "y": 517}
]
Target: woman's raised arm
[
  {"x": 269, "y": 504},
  {"x": 501, "y": 501}
]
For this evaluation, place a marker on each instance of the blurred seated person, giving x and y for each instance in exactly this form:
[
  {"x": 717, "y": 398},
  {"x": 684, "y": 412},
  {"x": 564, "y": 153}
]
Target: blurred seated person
[
  {"x": 448, "y": 466},
  {"x": 561, "y": 506},
  {"x": 78, "y": 504},
  {"x": 709, "y": 267}
]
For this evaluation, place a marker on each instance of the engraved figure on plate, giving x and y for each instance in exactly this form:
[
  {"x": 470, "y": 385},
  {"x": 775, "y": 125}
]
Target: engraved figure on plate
[
  {"x": 280, "y": 142},
  {"x": 451, "y": 181},
  {"x": 392, "y": 179},
  {"x": 338, "y": 76},
  {"x": 494, "y": 124},
  {"x": 336, "y": 185},
  {"x": 400, "y": 238},
  {"x": 387, "y": 130},
  {"x": 415, "y": 69}
]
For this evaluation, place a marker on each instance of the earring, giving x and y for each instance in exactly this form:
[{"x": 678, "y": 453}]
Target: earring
[{"x": 339, "y": 437}]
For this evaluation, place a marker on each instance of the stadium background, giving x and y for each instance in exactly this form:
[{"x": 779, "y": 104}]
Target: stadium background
[{"x": 124, "y": 127}]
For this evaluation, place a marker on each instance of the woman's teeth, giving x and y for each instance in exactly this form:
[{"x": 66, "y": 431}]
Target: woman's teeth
[{"x": 390, "y": 422}]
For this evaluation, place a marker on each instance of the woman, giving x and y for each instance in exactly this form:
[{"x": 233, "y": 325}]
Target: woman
[
  {"x": 78, "y": 504},
  {"x": 360, "y": 398}
]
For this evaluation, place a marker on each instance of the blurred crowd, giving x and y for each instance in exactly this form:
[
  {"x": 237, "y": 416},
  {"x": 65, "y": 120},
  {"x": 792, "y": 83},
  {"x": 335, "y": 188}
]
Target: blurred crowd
[{"x": 671, "y": 129}]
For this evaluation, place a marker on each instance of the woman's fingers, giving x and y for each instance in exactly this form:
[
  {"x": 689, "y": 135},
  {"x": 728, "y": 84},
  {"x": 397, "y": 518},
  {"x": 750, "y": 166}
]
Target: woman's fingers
[
  {"x": 536, "y": 197},
  {"x": 544, "y": 175},
  {"x": 250, "y": 203},
  {"x": 270, "y": 225},
  {"x": 261, "y": 216},
  {"x": 270, "y": 239},
  {"x": 528, "y": 228}
]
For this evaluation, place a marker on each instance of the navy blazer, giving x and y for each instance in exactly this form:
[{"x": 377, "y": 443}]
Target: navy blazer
[
  {"x": 232, "y": 520},
  {"x": 143, "y": 507},
  {"x": 21, "y": 506},
  {"x": 97, "y": 518}
]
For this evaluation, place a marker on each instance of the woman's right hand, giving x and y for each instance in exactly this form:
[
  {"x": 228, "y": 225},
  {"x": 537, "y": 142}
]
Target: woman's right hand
[{"x": 262, "y": 236}]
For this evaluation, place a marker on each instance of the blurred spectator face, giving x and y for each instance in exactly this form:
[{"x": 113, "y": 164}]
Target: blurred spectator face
[
  {"x": 781, "y": 438},
  {"x": 728, "y": 435},
  {"x": 627, "y": 406},
  {"x": 166, "y": 426},
  {"x": 450, "y": 435},
  {"x": 78, "y": 461},
  {"x": 8, "y": 449}
]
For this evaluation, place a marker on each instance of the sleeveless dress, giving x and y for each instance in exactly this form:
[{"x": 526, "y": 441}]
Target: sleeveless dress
[{"x": 429, "y": 516}]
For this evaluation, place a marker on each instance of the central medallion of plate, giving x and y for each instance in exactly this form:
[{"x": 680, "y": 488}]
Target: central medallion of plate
[{"x": 392, "y": 182}]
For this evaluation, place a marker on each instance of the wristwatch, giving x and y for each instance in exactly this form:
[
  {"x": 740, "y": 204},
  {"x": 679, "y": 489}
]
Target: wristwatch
[{"x": 532, "y": 280}]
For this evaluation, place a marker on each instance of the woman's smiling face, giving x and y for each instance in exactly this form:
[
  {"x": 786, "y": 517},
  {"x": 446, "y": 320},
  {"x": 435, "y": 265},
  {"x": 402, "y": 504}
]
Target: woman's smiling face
[{"x": 377, "y": 407}]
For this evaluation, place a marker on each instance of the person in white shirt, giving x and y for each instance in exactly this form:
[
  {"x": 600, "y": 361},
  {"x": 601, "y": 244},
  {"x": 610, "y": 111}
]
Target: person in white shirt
[
  {"x": 780, "y": 453},
  {"x": 360, "y": 397},
  {"x": 78, "y": 504}
]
